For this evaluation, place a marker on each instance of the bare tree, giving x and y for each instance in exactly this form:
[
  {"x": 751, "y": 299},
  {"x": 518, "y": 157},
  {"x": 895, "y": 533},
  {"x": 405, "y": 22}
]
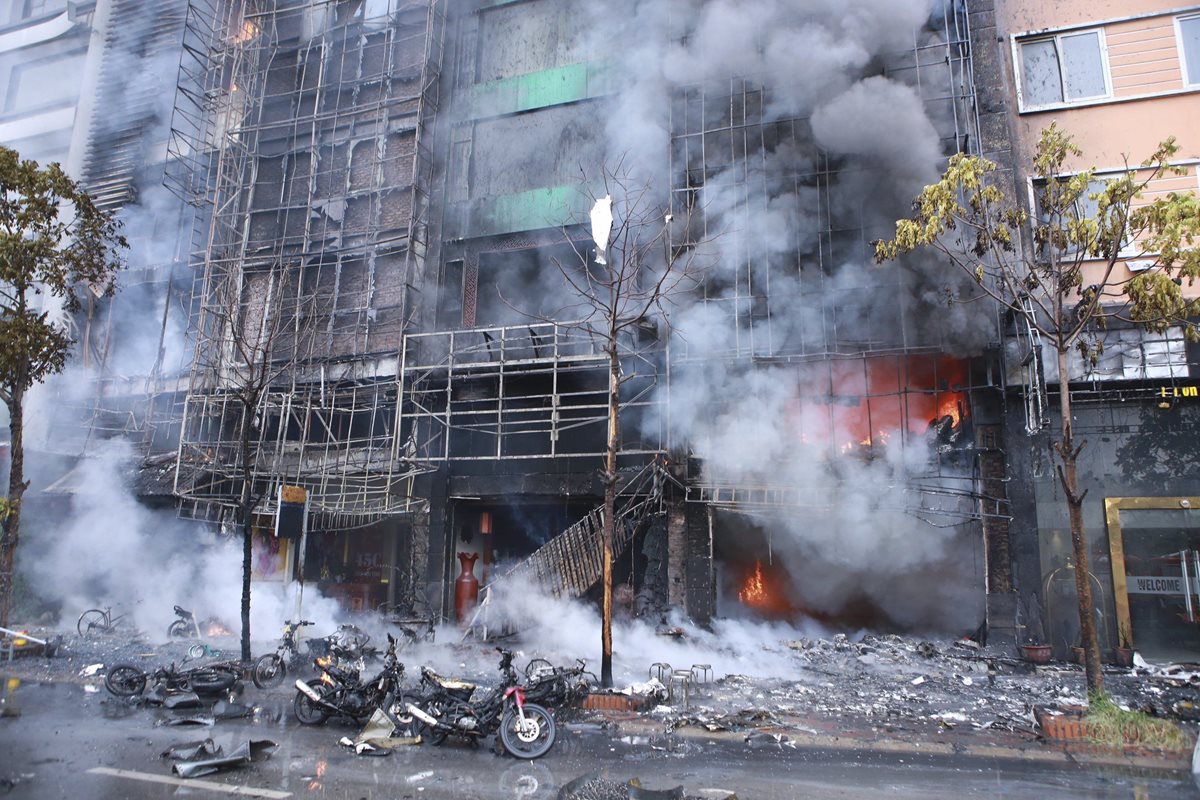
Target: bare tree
[
  {"x": 624, "y": 286},
  {"x": 261, "y": 324},
  {"x": 1071, "y": 285}
]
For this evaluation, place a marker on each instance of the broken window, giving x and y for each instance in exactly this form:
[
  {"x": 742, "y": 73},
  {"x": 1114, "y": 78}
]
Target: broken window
[
  {"x": 1189, "y": 49},
  {"x": 1066, "y": 68}
]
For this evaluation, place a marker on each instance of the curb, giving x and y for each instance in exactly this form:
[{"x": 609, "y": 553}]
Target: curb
[{"x": 1037, "y": 751}]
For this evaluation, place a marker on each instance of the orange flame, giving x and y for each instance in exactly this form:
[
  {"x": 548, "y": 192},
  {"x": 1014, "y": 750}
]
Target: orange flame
[
  {"x": 217, "y": 629},
  {"x": 326, "y": 679},
  {"x": 754, "y": 593},
  {"x": 315, "y": 783},
  {"x": 949, "y": 407}
]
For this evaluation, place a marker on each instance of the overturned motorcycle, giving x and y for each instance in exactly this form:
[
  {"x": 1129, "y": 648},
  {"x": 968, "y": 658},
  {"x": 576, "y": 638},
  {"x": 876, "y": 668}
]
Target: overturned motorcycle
[{"x": 526, "y": 730}]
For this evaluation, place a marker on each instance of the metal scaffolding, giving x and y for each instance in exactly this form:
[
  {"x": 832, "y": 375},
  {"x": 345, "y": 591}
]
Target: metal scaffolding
[
  {"x": 725, "y": 138},
  {"x": 300, "y": 128},
  {"x": 519, "y": 392}
]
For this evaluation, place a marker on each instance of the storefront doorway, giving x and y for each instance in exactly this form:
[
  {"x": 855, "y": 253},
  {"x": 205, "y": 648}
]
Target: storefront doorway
[{"x": 1155, "y": 548}]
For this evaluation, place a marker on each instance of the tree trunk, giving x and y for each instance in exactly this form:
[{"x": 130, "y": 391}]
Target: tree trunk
[
  {"x": 245, "y": 512},
  {"x": 1068, "y": 475},
  {"x": 246, "y": 564},
  {"x": 10, "y": 529},
  {"x": 610, "y": 509}
]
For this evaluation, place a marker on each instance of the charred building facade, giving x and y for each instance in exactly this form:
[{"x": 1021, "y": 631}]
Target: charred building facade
[{"x": 370, "y": 303}]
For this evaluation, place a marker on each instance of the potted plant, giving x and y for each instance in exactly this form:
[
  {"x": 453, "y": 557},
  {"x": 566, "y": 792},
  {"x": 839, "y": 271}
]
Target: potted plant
[
  {"x": 1033, "y": 645},
  {"x": 1123, "y": 652}
]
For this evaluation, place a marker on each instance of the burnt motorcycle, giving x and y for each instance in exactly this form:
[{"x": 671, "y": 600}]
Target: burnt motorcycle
[
  {"x": 347, "y": 644},
  {"x": 341, "y": 691},
  {"x": 444, "y": 706},
  {"x": 558, "y": 687}
]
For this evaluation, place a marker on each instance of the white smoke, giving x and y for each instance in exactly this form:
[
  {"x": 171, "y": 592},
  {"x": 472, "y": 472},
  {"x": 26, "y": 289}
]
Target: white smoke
[
  {"x": 111, "y": 550},
  {"x": 863, "y": 530}
]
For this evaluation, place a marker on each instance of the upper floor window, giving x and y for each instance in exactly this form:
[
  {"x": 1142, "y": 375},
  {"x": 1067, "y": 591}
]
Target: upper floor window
[
  {"x": 1189, "y": 49},
  {"x": 1067, "y": 68}
]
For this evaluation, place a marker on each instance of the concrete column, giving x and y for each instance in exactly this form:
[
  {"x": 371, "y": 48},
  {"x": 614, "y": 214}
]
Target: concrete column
[
  {"x": 701, "y": 586},
  {"x": 677, "y": 555}
]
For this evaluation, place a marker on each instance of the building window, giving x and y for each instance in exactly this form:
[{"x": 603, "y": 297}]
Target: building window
[
  {"x": 45, "y": 83},
  {"x": 1189, "y": 49},
  {"x": 1068, "y": 68},
  {"x": 1085, "y": 206}
]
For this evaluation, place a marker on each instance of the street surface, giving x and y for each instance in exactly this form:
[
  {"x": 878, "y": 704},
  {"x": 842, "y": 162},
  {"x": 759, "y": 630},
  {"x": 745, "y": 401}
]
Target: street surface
[{"x": 67, "y": 742}]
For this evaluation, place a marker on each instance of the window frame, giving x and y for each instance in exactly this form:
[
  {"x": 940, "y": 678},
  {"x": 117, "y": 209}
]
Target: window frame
[
  {"x": 1129, "y": 249},
  {"x": 1183, "y": 62},
  {"x": 1018, "y": 44}
]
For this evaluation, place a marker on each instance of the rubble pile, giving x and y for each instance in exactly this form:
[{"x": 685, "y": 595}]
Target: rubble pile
[{"x": 897, "y": 683}]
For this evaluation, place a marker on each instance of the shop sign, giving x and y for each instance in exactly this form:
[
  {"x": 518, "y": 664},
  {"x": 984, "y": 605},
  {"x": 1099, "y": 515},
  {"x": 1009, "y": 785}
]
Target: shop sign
[
  {"x": 1170, "y": 392},
  {"x": 1157, "y": 584},
  {"x": 289, "y": 520}
]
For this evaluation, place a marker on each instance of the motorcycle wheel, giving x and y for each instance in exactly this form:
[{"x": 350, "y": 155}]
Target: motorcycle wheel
[
  {"x": 125, "y": 680},
  {"x": 269, "y": 671},
  {"x": 534, "y": 739},
  {"x": 211, "y": 681},
  {"x": 179, "y": 629},
  {"x": 306, "y": 711},
  {"x": 434, "y": 736}
]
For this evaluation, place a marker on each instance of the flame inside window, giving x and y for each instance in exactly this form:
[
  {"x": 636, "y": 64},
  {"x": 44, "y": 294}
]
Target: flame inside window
[{"x": 754, "y": 592}]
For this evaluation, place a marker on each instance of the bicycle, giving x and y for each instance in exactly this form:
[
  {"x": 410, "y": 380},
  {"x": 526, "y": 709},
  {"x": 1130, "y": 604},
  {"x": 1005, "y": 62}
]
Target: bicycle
[{"x": 95, "y": 620}]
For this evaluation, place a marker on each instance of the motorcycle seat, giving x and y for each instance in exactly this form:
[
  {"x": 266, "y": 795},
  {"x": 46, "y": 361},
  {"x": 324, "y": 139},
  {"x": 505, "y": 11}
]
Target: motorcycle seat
[{"x": 450, "y": 684}]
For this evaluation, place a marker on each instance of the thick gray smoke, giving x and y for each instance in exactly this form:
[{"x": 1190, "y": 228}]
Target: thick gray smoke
[{"x": 862, "y": 530}]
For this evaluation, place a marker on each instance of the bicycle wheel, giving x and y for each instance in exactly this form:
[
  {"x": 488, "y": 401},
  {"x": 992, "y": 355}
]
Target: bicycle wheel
[
  {"x": 93, "y": 621},
  {"x": 269, "y": 671},
  {"x": 125, "y": 680},
  {"x": 179, "y": 629}
]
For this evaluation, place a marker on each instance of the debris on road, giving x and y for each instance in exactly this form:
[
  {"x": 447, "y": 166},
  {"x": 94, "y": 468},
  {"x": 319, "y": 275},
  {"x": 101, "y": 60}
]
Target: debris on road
[
  {"x": 596, "y": 787},
  {"x": 197, "y": 759},
  {"x": 377, "y": 737}
]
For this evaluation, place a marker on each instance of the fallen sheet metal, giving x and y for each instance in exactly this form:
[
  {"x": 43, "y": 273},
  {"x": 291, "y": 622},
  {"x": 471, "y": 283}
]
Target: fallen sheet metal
[
  {"x": 247, "y": 752},
  {"x": 193, "y": 719},
  {"x": 223, "y": 709},
  {"x": 190, "y": 751},
  {"x": 376, "y": 738},
  {"x": 181, "y": 700}
]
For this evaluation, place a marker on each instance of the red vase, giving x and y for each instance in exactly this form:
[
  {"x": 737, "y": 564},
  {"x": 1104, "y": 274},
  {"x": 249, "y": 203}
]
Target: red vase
[{"x": 466, "y": 586}]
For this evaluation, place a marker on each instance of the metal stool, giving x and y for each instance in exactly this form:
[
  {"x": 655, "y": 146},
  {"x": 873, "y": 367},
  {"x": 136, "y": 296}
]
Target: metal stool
[
  {"x": 662, "y": 671},
  {"x": 683, "y": 679},
  {"x": 702, "y": 673}
]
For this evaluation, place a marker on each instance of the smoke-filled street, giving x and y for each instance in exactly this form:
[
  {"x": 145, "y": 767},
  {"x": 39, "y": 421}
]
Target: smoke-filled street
[
  {"x": 70, "y": 743},
  {"x": 689, "y": 399},
  {"x": 876, "y": 717}
]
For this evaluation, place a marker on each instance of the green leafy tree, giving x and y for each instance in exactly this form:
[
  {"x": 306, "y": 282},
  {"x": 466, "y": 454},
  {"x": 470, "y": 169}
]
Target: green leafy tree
[
  {"x": 54, "y": 242},
  {"x": 1069, "y": 283}
]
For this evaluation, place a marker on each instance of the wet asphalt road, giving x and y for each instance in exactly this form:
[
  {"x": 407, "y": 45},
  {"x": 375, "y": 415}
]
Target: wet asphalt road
[{"x": 63, "y": 734}]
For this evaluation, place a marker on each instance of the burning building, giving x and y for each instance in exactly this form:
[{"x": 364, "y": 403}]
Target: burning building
[{"x": 368, "y": 301}]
